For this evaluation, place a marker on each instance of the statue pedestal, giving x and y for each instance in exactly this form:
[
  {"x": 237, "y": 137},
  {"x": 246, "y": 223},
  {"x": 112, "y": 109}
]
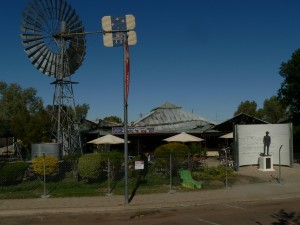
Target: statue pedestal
[{"x": 265, "y": 163}]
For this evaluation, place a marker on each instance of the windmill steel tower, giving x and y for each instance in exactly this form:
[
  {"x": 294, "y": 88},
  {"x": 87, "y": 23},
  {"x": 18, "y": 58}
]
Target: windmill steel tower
[{"x": 54, "y": 40}]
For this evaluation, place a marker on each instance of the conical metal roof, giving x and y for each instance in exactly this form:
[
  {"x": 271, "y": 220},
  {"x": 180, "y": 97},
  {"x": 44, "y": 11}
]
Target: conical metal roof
[{"x": 169, "y": 117}]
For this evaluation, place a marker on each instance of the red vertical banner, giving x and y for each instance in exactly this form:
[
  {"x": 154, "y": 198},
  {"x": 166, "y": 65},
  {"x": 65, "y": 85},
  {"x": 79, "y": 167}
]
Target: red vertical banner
[{"x": 127, "y": 69}]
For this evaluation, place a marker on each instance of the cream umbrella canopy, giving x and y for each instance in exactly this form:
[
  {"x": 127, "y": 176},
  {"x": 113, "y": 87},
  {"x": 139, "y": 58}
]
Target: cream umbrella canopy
[
  {"x": 107, "y": 140},
  {"x": 228, "y": 136},
  {"x": 182, "y": 137}
]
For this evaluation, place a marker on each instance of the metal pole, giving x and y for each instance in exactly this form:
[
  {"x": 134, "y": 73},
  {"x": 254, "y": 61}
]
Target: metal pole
[
  {"x": 44, "y": 174},
  {"x": 108, "y": 176},
  {"x": 171, "y": 172},
  {"x": 226, "y": 162},
  {"x": 125, "y": 126},
  {"x": 280, "y": 163}
]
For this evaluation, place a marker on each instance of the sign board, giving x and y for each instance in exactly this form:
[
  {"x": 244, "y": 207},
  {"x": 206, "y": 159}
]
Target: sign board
[
  {"x": 133, "y": 130},
  {"x": 139, "y": 165},
  {"x": 116, "y": 28}
]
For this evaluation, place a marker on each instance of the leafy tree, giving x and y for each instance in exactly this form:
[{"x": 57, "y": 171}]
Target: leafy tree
[
  {"x": 13, "y": 173},
  {"x": 32, "y": 129},
  {"x": 113, "y": 119},
  {"x": 178, "y": 151},
  {"x": 273, "y": 110},
  {"x": 22, "y": 114},
  {"x": 248, "y": 108},
  {"x": 289, "y": 92},
  {"x": 91, "y": 166},
  {"x": 82, "y": 111}
]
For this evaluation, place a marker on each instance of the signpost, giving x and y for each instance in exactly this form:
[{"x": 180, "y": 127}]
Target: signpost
[
  {"x": 118, "y": 31},
  {"x": 139, "y": 165}
]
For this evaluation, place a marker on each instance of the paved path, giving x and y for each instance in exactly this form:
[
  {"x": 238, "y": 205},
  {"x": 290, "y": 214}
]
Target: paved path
[{"x": 288, "y": 187}]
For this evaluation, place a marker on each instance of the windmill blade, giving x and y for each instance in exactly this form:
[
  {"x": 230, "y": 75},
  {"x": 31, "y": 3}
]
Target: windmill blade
[{"x": 40, "y": 34}]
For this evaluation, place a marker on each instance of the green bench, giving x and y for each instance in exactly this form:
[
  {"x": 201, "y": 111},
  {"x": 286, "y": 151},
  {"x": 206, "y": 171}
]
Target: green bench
[{"x": 187, "y": 180}]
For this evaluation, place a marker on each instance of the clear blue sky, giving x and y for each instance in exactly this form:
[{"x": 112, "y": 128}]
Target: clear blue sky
[{"x": 206, "y": 56}]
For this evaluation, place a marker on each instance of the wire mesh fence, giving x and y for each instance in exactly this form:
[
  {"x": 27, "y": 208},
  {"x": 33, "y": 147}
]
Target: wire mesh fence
[{"x": 103, "y": 173}]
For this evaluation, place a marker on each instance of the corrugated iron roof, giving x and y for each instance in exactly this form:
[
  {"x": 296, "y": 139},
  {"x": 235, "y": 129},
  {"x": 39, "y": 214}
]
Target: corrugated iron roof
[
  {"x": 169, "y": 117},
  {"x": 241, "y": 118}
]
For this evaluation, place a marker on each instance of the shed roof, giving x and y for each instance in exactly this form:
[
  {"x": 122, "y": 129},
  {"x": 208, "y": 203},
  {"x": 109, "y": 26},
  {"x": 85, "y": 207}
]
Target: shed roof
[
  {"x": 172, "y": 118},
  {"x": 242, "y": 118}
]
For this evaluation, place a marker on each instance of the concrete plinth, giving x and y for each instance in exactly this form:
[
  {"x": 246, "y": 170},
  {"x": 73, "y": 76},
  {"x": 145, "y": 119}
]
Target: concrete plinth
[{"x": 265, "y": 163}]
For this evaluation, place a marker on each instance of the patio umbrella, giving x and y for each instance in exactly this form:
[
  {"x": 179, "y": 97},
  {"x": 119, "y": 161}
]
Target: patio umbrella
[
  {"x": 229, "y": 135},
  {"x": 182, "y": 137},
  {"x": 107, "y": 140}
]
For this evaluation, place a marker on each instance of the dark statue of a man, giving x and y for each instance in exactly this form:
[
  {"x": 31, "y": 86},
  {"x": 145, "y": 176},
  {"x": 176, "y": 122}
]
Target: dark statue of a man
[{"x": 267, "y": 142}]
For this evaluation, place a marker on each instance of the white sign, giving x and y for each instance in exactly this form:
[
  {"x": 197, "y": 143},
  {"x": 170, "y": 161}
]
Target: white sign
[{"x": 139, "y": 165}]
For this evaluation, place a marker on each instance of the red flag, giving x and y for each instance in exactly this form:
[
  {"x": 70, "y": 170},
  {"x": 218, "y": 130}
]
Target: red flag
[{"x": 127, "y": 69}]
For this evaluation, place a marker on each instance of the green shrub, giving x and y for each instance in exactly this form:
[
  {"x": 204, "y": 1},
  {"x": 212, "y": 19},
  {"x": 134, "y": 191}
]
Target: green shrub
[
  {"x": 195, "y": 148},
  {"x": 213, "y": 173},
  {"x": 51, "y": 165},
  {"x": 162, "y": 153},
  {"x": 178, "y": 150},
  {"x": 13, "y": 173},
  {"x": 155, "y": 178},
  {"x": 116, "y": 159},
  {"x": 70, "y": 161},
  {"x": 91, "y": 166}
]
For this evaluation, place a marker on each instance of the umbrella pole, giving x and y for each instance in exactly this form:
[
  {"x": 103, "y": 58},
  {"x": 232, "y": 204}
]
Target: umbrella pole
[
  {"x": 226, "y": 169},
  {"x": 171, "y": 172},
  {"x": 108, "y": 176}
]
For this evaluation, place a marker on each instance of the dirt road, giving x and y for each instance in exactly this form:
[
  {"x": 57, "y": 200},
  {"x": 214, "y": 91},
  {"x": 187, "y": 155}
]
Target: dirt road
[{"x": 276, "y": 211}]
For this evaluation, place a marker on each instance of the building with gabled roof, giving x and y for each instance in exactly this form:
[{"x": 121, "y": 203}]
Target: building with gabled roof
[
  {"x": 240, "y": 119},
  {"x": 169, "y": 118}
]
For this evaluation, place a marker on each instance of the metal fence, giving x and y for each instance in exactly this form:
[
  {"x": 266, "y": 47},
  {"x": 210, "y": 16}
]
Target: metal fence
[{"x": 102, "y": 174}]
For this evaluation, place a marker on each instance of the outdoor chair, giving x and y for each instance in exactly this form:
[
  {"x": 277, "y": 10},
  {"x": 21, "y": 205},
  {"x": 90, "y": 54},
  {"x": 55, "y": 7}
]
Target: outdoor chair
[{"x": 187, "y": 180}]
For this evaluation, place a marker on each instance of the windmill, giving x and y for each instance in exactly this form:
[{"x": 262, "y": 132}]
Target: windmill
[{"x": 54, "y": 40}]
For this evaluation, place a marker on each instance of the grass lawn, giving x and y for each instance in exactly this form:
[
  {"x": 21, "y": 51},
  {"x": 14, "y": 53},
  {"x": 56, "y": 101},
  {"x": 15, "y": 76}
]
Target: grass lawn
[{"x": 70, "y": 187}]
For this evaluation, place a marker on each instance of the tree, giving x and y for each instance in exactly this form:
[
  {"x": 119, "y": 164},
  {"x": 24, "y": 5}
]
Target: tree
[
  {"x": 22, "y": 114},
  {"x": 273, "y": 110},
  {"x": 248, "y": 108},
  {"x": 113, "y": 119},
  {"x": 179, "y": 152},
  {"x": 32, "y": 128},
  {"x": 81, "y": 111},
  {"x": 289, "y": 92}
]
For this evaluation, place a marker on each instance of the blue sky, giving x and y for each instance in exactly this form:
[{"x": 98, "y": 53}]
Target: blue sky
[{"x": 205, "y": 56}]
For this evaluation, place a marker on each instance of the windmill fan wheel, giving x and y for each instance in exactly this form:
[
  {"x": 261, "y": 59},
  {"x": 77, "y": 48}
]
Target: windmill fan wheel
[{"x": 53, "y": 37}]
